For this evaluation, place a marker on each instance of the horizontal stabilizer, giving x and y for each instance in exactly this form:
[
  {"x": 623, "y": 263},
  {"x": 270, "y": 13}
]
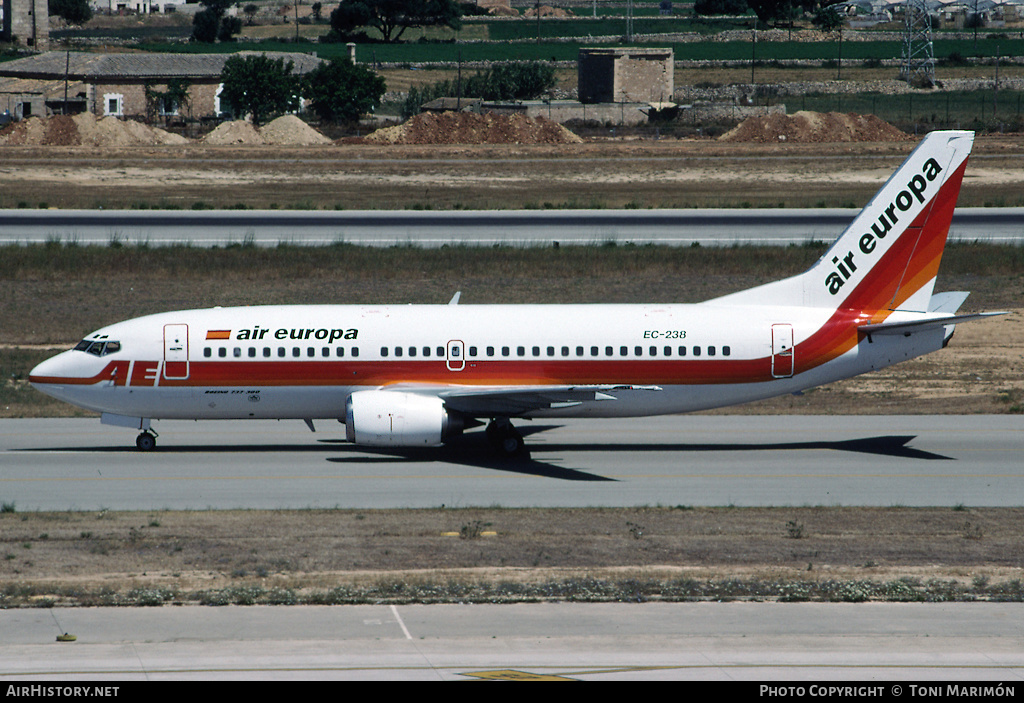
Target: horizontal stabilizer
[{"x": 921, "y": 325}]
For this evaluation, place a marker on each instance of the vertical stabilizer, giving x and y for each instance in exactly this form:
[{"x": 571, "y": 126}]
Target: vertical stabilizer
[{"x": 888, "y": 257}]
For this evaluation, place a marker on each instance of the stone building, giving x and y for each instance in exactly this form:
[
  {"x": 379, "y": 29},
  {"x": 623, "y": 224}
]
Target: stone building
[
  {"x": 26, "y": 23},
  {"x": 630, "y": 75},
  {"x": 116, "y": 84}
]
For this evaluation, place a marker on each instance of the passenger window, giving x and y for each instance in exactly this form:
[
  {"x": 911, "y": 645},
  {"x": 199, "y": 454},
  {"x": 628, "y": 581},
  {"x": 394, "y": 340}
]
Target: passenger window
[
  {"x": 504, "y": 351},
  {"x": 252, "y": 352},
  {"x": 207, "y": 352},
  {"x": 536, "y": 351},
  {"x": 280, "y": 352},
  {"x": 472, "y": 350},
  {"x": 639, "y": 351},
  {"x": 426, "y": 351},
  {"x": 696, "y": 351},
  {"x": 551, "y": 351},
  {"x": 623, "y": 351},
  {"x": 326, "y": 351},
  {"x": 520, "y": 351},
  {"x": 222, "y": 352},
  {"x": 398, "y": 351},
  {"x": 668, "y": 351},
  {"x": 296, "y": 352},
  {"x": 711, "y": 351},
  {"x": 565, "y": 351},
  {"x": 412, "y": 351},
  {"x": 236, "y": 352},
  {"x": 310, "y": 352},
  {"x": 579, "y": 351},
  {"x": 490, "y": 351},
  {"x": 339, "y": 352},
  {"x": 383, "y": 351},
  {"x": 355, "y": 351},
  {"x": 594, "y": 351},
  {"x": 440, "y": 351},
  {"x": 653, "y": 351},
  {"x": 726, "y": 351},
  {"x": 682, "y": 351},
  {"x": 266, "y": 352},
  {"x": 608, "y": 351}
]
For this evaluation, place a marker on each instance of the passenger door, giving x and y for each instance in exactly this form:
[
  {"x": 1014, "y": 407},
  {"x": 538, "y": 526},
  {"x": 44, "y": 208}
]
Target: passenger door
[
  {"x": 176, "y": 352},
  {"x": 782, "y": 351}
]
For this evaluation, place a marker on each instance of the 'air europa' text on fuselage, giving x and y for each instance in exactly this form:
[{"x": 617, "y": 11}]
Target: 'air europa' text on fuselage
[
  {"x": 321, "y": 333},
  {"x": 903, "y": 201}
]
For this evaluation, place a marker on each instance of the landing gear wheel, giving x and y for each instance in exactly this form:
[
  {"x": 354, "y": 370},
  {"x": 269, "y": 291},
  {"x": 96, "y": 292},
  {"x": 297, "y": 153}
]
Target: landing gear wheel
[
  {"x": 505, "y": 438},
  {"x": 145, "y": 442}
]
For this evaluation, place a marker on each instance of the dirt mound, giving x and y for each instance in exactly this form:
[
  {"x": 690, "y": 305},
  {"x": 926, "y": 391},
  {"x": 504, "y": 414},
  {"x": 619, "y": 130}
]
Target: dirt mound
[
  {"x": 111, "y": 131},
  {"x": 84, "y": 129},
  {"x": 471, "y": 128},
  {"x": 30, "y": 131},
  {"x": 501, "y": 8},
  {"x": 236, "y": 132},
  {"x": 548, "y": 11},
  {"x": 287, "y": 130},
  {"x": 290, "y": 130},
  {"x": 816, "y": 127}
]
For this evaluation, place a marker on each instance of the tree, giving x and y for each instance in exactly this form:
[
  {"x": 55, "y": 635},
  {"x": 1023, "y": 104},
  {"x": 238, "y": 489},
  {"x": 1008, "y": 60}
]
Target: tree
[
  {"x": 259, "y": 86},
  {"x": 774, "y": 11},
  {"x": 827, "y": 19},
  {"x": 720, "y": 7},
  {"x": 392, "y": 17},
  {"x": 339, "y": 91},
  {"x": 168, "y": 101},
  {"x": 211, "y": 24},
  {"x": 71, "y": 11}
]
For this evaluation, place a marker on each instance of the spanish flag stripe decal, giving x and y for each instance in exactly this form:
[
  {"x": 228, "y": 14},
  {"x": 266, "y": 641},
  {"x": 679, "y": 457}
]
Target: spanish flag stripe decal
[{"x": 218, "y": 334}]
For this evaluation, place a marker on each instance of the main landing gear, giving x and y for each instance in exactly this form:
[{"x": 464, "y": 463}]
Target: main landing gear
[
  {"x": 146, "y": 441},
  {"x": 505, "y": 438}
]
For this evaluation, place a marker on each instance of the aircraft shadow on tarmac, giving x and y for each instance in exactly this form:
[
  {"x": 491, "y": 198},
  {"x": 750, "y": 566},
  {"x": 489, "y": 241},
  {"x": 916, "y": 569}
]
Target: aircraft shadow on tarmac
[{"x": 473, "y": 450}]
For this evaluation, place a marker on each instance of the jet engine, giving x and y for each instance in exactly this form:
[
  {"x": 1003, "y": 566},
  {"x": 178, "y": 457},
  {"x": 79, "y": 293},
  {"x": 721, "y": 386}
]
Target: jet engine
[{"x": 394, "y": 419}]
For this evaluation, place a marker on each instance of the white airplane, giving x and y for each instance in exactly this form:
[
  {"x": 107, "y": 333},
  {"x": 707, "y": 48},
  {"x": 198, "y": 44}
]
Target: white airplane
[{"x": 418, "y": 375}]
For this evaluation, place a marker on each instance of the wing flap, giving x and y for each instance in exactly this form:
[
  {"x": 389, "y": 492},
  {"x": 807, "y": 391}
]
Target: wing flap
[{"x": 514, "y": 401}]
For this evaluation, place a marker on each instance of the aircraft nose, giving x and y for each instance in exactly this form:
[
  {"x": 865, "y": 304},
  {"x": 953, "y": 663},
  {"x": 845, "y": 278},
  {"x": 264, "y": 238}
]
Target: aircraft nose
[{"x": 52, "y": 371}]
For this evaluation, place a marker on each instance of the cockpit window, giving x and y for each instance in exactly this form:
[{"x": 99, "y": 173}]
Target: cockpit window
[{"x": 98, "y": 348}]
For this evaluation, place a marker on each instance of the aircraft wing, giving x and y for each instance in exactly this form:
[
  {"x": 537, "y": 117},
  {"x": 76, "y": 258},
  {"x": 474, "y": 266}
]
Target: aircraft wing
[{"x": 514, "y": 401}]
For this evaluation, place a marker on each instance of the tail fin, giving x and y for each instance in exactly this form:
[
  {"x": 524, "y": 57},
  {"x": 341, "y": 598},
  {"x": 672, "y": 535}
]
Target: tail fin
[{"x": 888, "y": 257}]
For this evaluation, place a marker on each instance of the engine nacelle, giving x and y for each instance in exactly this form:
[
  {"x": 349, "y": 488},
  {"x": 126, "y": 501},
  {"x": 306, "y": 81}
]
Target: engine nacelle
[{"x": 394, "y": 419}]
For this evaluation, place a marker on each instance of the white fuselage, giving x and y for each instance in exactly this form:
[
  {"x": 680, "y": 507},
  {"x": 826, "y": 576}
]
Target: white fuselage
[{"x": 304, "y": 361}]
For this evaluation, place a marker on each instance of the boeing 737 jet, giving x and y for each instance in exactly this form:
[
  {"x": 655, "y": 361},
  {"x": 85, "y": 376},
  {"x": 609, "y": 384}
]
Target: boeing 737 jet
[{"x": 418, "y": 375}]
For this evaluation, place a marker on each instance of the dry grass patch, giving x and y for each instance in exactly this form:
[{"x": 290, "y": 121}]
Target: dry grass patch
[{"x": 507, "y": 554}]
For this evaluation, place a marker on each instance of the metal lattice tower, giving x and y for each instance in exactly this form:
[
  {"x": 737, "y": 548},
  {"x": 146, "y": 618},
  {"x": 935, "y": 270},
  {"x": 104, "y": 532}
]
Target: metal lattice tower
[{"x": 918, "y": 66}]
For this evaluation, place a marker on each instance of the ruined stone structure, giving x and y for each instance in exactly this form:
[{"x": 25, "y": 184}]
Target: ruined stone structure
[
  {"x": 615, "y": 75},
  {"x": 26, "y": 23}
]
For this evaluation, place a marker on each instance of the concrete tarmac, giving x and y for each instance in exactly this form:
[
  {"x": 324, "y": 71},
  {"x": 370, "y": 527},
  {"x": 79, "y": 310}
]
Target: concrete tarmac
[
  {"x": 813, "y": 643},
  {"x": 668, "y": 227},
  {"x": 946, "y": 460}
]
